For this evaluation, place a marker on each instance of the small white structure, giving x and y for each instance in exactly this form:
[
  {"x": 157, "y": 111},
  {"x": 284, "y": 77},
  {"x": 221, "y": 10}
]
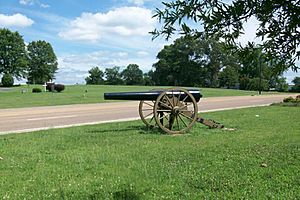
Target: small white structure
[{"x": 45, "y": 85}]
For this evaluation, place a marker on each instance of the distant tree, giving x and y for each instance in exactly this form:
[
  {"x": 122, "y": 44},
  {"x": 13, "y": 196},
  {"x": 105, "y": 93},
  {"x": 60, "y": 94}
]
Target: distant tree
[
  {"x": 13, "y": 59},
  {"x": 281, "y": 85},
  {"x": 113, "y": 76},
  {"x": 191, "y": 61},
  {"x": 132, "y": 75},
  {"x": 256, "y": 67},
  {"x": 278, "y": 23},
  {"x": 7, "y": 80},
  {"x": 95, "y": 77},
  {"x": 229, "y": 77},
  {"x": 296, "y": 87},
  {"x": 42, "y": 62},
  {"x": 149, "y": 78}
]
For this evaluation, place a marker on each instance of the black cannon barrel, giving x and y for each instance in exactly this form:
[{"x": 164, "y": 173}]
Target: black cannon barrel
[{"x": 150, "y": 95}]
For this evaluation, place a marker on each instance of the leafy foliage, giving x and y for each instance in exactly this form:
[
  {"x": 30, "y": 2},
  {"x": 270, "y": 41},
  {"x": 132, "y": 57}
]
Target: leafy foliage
[
  {"x": 229, "y": 77},
  {"x": 36, "y": 90},
  {"x": 132, "y": 75},
  {"x": 278, "y": 23},
  {"x": 113, "y": 76},
  {"x": 296, "y": 87},
  {"x": 7, "y": 80},
  {"x": 95, "y": 77},
  {"x": 59, "y": 87},
  {"x": 191, "y": 61},
  {"x": 42, "y": 62},
  {"x": 13, "y": 58}
]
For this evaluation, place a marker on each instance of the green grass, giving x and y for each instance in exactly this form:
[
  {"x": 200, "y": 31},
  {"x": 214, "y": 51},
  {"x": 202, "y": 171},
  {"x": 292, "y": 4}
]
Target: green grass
[
  {"x": 76, "y": 94},
  {"x": 259, "y": 160}
]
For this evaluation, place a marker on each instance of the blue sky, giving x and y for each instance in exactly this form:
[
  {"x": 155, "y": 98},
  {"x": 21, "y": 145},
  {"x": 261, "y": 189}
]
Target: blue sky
[{"x": 87, "y": 33}]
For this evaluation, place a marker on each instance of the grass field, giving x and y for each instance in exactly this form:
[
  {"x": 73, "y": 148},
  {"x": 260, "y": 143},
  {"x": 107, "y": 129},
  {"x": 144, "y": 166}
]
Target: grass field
[
  {"x": 80, "y": 94},
  {"x": 259, "y": 160}
]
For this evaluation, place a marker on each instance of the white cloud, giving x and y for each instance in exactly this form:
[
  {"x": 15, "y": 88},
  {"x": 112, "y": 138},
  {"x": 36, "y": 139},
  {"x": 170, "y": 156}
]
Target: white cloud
[
  {"x": 33, "y": 2},
  {"x": 26, "y": 2},
  {"x": 137, "y": 2},
  {"x": 16, "y": 20},
  {"x": 42, "y": 5},
  {"x": 120, "y": 22},
  {"x": 142, "y": 53},
  {"x": 249, "y": 35},
  {"x": 73, "y": 68}
]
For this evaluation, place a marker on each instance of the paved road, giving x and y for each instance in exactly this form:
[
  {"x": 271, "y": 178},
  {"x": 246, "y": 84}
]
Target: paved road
[{"x": 39, "y": 118}]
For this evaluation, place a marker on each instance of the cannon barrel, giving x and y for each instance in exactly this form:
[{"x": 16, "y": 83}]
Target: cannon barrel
[{"x": 150, "y": 95}]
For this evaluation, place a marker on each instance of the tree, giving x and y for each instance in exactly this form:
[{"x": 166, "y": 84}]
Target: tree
[
  {"x": 192, "y": 61},
  {"x": 95, "y": 77},
  {"x": 7, "y": 80},
  {"x": 13, "y": 58},
  {"x": 132, "y": 75},
  {"x": 281, "y": 85},
  {"x": 113, "y": 76},
  {"x": 149, "y": 78},
  {"x": 296, "y": 87},
  {"x": 278, "y": 23},
  {"x": 42, "y": 62},
  {"x": 229, "y": 77}
]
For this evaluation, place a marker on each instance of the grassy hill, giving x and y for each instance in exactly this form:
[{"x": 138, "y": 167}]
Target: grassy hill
[{"x": 81, "y": 94}]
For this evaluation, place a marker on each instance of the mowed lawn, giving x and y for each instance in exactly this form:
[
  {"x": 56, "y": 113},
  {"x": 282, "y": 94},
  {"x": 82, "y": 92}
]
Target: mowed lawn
[
  {"x": 80, "y": 94},
  {"x": 259, "y": 160}
]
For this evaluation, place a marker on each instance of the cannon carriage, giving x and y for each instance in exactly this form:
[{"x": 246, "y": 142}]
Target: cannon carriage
[{"x": 174, "y": 110}]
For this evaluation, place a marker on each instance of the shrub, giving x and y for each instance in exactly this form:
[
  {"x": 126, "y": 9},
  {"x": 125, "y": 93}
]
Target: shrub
[
  {"x": 292, "y": 100},
  {"x": 59, "y": 87},
  {"x": 50, "y": 87},
  {"x": 288, "y": 99},
  {"x": 7, "y": 80},
  {"x": 36, "y": 90}
]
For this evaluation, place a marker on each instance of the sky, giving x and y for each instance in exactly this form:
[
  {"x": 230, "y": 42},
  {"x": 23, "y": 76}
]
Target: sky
[{"x": 89, "y": 33}]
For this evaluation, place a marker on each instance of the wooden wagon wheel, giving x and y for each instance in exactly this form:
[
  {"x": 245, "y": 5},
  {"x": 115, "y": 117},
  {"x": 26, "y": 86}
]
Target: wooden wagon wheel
[
  {"x": 146, "y": 113},
  {"x": 175, "y": 111}
]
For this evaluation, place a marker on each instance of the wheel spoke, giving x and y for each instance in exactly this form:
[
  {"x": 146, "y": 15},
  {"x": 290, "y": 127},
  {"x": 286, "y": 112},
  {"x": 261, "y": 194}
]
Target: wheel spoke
[
  {"x": 172, "y": 106},
  {"x": 167, "y": 106},
  {"x": 185, "y": 106},
  {"x": 164, "y": 116},
  {"x": 173, "y": 97},
  {"x": 185, "y": 98},
  {"x": 148, "y": 115},
  {"x": 151, "y": 119},
  {"x": 163, "y": 110},
  {"x": 183, "y": 121},
  {"x": 186, "y": 116},
  {"x": 148, "y": 104},
  {"x": 178, "y": 100},
  {"x": 146, "y": 109},
  {"x": 177, "y": 123}
]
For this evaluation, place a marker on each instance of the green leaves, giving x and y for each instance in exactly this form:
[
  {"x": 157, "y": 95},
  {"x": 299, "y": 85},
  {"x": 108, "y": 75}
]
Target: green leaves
[
  {"x": 13, "y": 58},
  {"x": 95, "y": 77},
  {"x": 279, "y": 22},
  {"x": 42, "y": 62}
]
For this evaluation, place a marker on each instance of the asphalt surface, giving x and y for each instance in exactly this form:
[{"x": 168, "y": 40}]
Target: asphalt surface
[{"x": 40, "y": 118}]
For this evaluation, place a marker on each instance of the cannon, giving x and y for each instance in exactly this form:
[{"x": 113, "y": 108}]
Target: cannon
[{"x": 173, "y": 110}]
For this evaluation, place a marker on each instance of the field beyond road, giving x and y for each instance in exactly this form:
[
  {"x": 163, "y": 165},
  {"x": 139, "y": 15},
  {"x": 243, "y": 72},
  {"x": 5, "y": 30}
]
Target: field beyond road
[
  {"x": 46, "y": 117},
  {"x": 19, "y": 97},
  {"x": 259, "y": 160}
]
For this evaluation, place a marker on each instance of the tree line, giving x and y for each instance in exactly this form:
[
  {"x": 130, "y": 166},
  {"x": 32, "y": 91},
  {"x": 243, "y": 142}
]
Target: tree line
[
  {"x": 200, "y": 61},
  {"x": 131, "y": 75},
  {"x": 36, "y": 61},
  {"x": 207, "y": 62}
]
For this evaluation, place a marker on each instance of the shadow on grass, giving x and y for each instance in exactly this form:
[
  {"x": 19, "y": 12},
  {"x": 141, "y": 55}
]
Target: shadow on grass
[
  {"x": 140, "y": 129},
  {"x": 126, "y": 194}
]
